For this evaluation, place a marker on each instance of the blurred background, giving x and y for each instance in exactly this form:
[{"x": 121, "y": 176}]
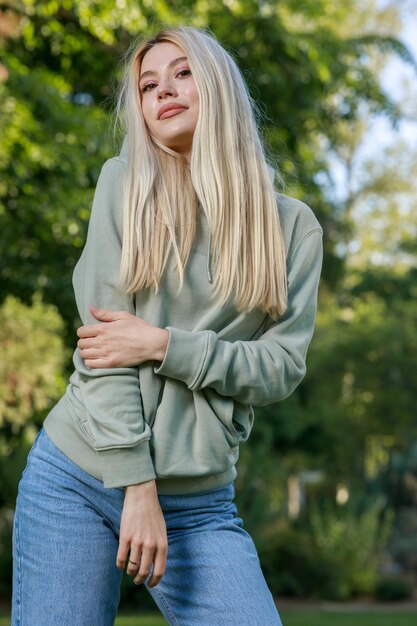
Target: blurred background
[{"x": 327, "y": 483}]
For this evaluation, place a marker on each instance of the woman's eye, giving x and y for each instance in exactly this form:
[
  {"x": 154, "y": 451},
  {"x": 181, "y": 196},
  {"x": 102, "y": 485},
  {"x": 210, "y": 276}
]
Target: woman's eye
[
  {"x": 182, "y": 72},
  {"x": 151, "y": 85},
  {"x": 148, "y": 86}
]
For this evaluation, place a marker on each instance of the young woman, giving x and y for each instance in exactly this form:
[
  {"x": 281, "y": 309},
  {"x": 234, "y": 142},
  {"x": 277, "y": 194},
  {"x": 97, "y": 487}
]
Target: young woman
[{"x": 206, "y": 281}]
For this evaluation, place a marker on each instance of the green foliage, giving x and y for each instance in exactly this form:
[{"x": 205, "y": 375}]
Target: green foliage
[
  {"x": 355, "y": 542},
  {"x": 336, "y": 556},
  {"x": 50, "y": 155},
  {"x": 350, "y": 418},
  {"x": 392, "y": 588},
  {"x": 313, "y": 68},
  {"x": 32, "y": 362},
  {"x": 366, "y": 347},
  {"x": 399, "y": 482},
  {"x": 61, "y": 61},
  {"x": 31, "y": 380},
  {"x": 33, "y": 357},
  {"x": 294, "y": 566}
]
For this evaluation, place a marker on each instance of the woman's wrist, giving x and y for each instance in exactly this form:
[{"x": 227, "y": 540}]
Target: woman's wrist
[
  {"x": 161, "y": 342},
  {"x": 148, "y": 486}
]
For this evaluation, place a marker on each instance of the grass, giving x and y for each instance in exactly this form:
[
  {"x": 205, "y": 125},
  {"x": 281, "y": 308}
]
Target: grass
[
  {"x": 149, "y": 620},
  {"x": 294, "y": 617},
  {"x": 307, "y": 617},
  {"x": 315, "y": 617}
]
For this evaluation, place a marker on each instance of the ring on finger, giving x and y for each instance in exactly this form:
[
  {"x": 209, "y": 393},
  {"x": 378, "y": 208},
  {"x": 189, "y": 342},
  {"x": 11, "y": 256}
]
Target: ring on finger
[{"x": 133, "y": 562}]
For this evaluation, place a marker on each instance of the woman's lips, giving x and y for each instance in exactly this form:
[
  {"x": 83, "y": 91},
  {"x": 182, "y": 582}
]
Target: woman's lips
[{"x": 172, "y": 112}]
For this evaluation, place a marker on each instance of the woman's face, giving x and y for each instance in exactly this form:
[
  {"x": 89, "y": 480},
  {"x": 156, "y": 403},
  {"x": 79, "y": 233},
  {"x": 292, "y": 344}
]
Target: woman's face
[{"x": 166, "y": 82}]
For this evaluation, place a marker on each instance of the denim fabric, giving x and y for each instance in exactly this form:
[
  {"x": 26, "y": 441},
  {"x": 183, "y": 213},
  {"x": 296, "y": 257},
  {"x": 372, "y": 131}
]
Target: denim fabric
[{"x": 66, "y": 537}]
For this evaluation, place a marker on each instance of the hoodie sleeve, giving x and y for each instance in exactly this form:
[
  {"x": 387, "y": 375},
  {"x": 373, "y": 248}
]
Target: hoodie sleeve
[
  {"x": 111, "y": 396},
  {"x": 261, "y": 371}
]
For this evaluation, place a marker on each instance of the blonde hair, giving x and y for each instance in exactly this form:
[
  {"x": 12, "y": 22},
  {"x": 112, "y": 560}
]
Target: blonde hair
[{"x": 228, "y": 175}]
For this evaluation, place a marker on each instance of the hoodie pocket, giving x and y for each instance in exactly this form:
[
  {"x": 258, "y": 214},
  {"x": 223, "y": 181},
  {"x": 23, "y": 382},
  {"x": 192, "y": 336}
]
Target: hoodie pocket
[
  {"x": 194, "y": 432},
  {"x": 80, "y": 414},
  {"x": 237, "y": 418}
]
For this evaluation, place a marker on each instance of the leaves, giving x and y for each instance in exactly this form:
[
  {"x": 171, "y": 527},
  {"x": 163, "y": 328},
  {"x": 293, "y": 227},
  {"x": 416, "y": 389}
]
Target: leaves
[
  {"x": 33, "y": 357},
  {"x": 313, "y": 68}
]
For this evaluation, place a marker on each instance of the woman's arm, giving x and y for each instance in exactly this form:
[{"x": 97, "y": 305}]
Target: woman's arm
[
  {"x": 143, "y": 534},
  {"x": 124, "y": 340},
  {"x": 256, "y": 372},
  {"x": 112, "y": 396},
  {"x": 261, "y": 371}
]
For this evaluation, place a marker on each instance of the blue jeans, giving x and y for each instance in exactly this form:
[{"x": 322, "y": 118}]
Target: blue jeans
[{"x": 66, "y": 537}]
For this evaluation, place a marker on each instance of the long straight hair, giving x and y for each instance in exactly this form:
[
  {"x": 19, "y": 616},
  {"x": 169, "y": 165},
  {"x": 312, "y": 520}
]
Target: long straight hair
[{"x": 228, "y": 177}]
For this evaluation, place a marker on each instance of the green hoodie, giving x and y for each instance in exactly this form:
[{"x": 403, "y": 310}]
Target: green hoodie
[{"x": 181, "y": 421}]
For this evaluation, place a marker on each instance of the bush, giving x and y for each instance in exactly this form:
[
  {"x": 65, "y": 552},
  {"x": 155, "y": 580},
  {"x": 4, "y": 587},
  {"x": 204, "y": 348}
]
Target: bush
[
  {"x": 294, "y": 566},
  {"x": 335, "y": 558},
  {"x": 32, "y": 362},
  {"x": 403, "y": 544},
  {"x": 391, "y": 588},
  {"x": 356, "y": 542}
]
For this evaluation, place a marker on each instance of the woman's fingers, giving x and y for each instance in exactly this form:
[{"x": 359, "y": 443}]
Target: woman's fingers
[
  {"x": 91, "y": 353},
  {"x": 134, "y": 561},
  {"x": 140, "y": 565},
  {"x": 109, "y": 316},
  {"x": 143, "y": 531},
  {"x": 84, "y": 344},
  {"x": 146, "y": 561},
  {"x": 96, "y": 355},
  {"x": 159, "y": 566},
  {"x": 91, "y": 330},
  {"x": 126, "y": 341},
  {"x": 107, "y": 350},
  {"x": 122, "y": 554},
  {"x": 98, "y": 363}
]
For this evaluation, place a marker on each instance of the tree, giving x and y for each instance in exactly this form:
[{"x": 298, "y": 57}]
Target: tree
[
  {"x": 31, "y": 379},
  {"x": 309, "y": 75},
  {"x": 314, "y": 69}
]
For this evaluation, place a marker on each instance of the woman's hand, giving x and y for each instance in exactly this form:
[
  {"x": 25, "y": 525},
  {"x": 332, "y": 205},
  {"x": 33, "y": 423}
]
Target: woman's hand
[
  {"x": 143, "y": 532},
  {"x": 123, "y": 341}
]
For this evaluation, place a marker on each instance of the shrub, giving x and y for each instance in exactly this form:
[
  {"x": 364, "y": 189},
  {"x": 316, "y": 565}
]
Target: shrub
[
  {"x": 356, "y": 543},
  {"x": 335, "y": 558},
  {"x": 391, "y": 588},
  {"x": 33, "y": 358},
  {"x": 294, "y": 566},
  {"x": 32, "y": 362}
]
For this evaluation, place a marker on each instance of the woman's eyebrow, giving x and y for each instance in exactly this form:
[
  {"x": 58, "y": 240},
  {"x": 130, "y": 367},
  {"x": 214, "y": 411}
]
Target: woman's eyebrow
[{"x": 170, "y": 64}]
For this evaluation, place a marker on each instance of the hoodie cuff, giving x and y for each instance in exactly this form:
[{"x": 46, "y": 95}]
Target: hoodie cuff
[
  {"x": 121, "y": 467},
  {"x": 185, "y": 355}
]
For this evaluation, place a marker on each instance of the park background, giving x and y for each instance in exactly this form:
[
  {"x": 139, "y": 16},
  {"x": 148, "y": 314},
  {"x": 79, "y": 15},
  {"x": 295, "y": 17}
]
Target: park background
[{"x": 327, "y": 483}]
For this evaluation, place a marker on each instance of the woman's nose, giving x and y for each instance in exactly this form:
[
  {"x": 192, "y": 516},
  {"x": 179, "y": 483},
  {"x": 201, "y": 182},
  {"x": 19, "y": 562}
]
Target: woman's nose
[{"x": 165, "y": 87}]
